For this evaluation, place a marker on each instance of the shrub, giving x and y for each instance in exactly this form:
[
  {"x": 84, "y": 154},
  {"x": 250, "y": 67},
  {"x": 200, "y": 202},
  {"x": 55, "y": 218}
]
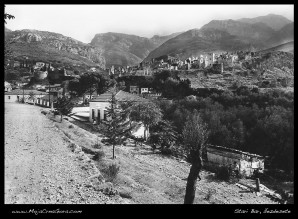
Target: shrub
[
  {"x": 166, "y": 151},
  {"x": 97, "y": 145},
  {"x": 72, "y": 146},
  {"x": 111, "y": 172},
  {"x": 70, "y": 126},
  {"x": 223, "y": 173},
  {"x": 99, "y": 155}
]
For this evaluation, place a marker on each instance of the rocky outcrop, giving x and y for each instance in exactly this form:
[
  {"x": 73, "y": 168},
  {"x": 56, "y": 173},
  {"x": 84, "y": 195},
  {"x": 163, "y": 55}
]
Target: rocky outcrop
[{"x": 57, "y": 42}]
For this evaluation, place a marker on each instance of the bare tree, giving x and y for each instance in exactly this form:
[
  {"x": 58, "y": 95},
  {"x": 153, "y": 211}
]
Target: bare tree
[{"x": 195, "y": 135}]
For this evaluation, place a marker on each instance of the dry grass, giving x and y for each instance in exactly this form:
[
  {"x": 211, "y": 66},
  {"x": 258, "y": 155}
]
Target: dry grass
[{"x": 150, "y": 178}]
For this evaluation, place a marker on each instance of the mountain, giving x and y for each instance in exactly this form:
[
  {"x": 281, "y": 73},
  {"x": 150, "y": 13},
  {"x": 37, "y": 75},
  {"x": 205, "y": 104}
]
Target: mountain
[
  {"x": 123, "y": 49},
  {"x": 198, "y": 41},
  {"x": 286, "y": 47},
  {"x": 284, "y": 35},
  {"x": 276, "y": 22},
  {"x": 256, "y": 33},
  {"x": 53, "y": 47},
  {"x": 226, "y": 35}
]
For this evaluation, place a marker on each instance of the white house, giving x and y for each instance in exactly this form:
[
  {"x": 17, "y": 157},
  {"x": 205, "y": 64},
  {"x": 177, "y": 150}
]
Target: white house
[
  {"x": 46, "y": 100},
  {"x": 17, "y": 95},
  {"x": 144, "y": 90},
  {"x": 7, "y": 86},
  {"x": 98, "y": 106}
]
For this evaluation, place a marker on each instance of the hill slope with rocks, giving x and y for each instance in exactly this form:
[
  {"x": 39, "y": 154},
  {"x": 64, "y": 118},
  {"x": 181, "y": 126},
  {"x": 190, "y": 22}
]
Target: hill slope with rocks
[
  {"x": 276, "y": 22},
  {"x": 228, "y": 35},
  {"x": 122, "y": 49},
  {"x": 54, "y": 48}
]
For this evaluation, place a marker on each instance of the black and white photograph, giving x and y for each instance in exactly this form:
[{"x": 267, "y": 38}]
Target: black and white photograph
[{"x": 149, "y": 104}]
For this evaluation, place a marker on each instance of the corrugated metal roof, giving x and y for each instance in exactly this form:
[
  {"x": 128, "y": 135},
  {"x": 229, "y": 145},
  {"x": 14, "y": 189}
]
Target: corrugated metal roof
[
  {"x": 221, "y": 148},
  {"x": 26, "y": 92}
]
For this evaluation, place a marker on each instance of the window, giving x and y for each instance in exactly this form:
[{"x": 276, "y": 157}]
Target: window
[
  {"x": 105, "y": 115},
  {"x": 93, "y": 114}
]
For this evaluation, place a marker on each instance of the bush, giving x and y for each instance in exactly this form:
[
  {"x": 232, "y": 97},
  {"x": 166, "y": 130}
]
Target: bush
[
  {"x": 72, "y": 146},
  {"x": 166, "y": 151},
  {"x": 111, "y": 172},
  {"x": 223, "y": 173},
  {"x": 70, "y": 126},
  {"x": 99, "y": 155}
]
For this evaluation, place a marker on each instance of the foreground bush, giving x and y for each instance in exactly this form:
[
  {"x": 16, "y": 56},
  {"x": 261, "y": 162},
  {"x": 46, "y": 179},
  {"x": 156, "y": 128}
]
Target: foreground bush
[
  {"x": 111, "y": 172},
  {"x": 99, "y": 155}
]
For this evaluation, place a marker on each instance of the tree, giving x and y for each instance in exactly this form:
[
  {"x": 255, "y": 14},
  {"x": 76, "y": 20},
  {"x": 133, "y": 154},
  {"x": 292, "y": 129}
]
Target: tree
[
  {"x": 64, "y": 106},
  {"x": 163, "y": 134},
  {"x": 117, "y": 126},
  {"x": 90, "y": 82},
  {"x": 7, "y": 16},
  {"x": 32, "y": 97},
  {"x": 146, "y": 112},
  {"x": 195, "y": 135}
]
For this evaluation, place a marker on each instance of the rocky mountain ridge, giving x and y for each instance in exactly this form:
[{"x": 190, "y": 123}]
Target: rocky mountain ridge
[
  {"x": 227, "y": 35},
  {"x": 36, "y": 44}
]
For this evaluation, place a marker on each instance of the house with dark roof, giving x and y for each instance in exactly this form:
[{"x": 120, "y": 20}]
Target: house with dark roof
[
  {"x": 98, "y": 106},
  {"x": 18, "y": 94}
]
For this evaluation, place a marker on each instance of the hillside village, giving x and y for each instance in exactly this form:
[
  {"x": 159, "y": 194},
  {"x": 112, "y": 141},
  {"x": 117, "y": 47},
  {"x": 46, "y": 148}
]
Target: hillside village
[{"x": 241, "y": 104}]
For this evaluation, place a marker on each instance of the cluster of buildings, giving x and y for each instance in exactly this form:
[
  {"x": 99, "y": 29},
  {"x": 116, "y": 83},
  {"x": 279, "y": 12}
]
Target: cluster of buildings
[{"x": 207, "y": 60}]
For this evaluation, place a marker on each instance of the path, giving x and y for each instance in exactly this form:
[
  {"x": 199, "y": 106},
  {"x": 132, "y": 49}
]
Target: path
[{"x": 39, "y": 168}]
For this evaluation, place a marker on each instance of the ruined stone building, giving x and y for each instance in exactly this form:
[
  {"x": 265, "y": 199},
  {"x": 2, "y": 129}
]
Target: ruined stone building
[{"x": 246, "y": 163}]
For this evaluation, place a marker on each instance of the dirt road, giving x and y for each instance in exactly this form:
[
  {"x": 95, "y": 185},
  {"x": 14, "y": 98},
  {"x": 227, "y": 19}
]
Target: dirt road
[{"x": 39, "y": 168}]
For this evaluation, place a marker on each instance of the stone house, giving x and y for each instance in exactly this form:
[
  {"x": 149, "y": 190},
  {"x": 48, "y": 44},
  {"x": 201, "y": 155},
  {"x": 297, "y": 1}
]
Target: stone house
[
  {"x": 55, "y": 90},
  {"x": 134, "y": 90},
  {"x": 7, "y": 86},
  {"x": 245, "y": 162}
]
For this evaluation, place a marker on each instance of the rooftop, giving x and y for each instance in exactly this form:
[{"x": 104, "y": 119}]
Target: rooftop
[
  {"x": 220, "y": 148},
  {"x": 120, "y": 96},
  {"x": 26, "y": 92}
]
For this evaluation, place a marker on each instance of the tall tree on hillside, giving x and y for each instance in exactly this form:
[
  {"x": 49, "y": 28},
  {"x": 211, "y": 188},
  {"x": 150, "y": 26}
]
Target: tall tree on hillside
[
  {"x": 64, "y": 106},
  {"x": 117, "y": 126},
  {"x": 195, "y": 135},
  {"x": 163, "y": 134}
]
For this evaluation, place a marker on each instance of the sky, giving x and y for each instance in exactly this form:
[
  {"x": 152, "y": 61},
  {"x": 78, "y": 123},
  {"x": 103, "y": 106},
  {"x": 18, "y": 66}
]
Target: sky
[{"x": 82, "y": 22}]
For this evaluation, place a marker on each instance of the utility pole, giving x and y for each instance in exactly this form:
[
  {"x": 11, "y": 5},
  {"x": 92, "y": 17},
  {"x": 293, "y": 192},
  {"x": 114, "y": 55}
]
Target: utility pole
[
  {"x": 49, "y": 95},
  {"x": 23, "y": 94}
]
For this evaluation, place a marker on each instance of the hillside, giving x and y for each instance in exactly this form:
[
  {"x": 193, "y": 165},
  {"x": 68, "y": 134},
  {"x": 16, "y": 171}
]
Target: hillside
[
  {"x": 228, "y": 35},
  {"x": 198, "y": 41},
  {"x": 123, "y": 49},
  {"x": 255, "y": 34},
  {"x": 53, "y": 47},
  {"x": 147, "y": 177},
  {"x": 284, "y": 35},
  {"x": 276, "y": 22},
  {"x": 286, "y": 47}
]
